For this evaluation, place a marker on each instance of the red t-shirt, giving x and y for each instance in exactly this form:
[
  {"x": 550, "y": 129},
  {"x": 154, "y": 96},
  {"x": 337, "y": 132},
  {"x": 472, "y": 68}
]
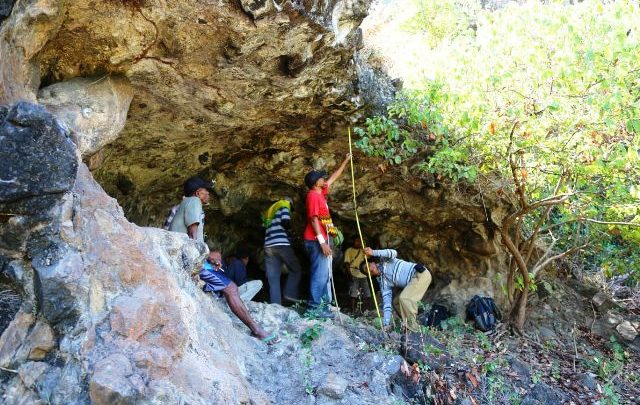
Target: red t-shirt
[{"x": 317, "y": 207}]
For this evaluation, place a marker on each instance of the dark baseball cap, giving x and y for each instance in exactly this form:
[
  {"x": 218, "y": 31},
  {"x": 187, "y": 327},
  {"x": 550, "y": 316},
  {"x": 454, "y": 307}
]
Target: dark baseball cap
[
  {"x": 194, "y": 183},
  {"x": 313, "y": 176}
]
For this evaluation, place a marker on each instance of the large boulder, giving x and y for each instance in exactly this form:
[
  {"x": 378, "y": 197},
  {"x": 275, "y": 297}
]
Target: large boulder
[
  {"x": 95, "y": 109},
  {"x": 252, "y": 94},
  {"x": 5, "y": 8},
  {"x": 29, "y": 26},
  {"x": 37, "y": 156},
  {"x": 130, "y": 326}
]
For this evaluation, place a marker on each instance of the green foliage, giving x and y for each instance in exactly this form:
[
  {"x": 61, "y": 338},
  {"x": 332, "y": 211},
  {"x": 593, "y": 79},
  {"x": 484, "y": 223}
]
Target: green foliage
[
  {"x": 536, "y": 377},
  {"x": 307, "y": 362},
  {"x": 439, "y": 21},
  {"x": 414, "y": 127},
  {"x": 611, "y": 397},
  {"x": 432, "y": 349},
  {"x": 519, "y": 282},
  {"x": 557, "y": 85},
  {"x": 607, "y": 367},
  {"x": 484, "y": 341},
  {"x": 456, "y": 325},
  {"x": 310, "y": 334}
]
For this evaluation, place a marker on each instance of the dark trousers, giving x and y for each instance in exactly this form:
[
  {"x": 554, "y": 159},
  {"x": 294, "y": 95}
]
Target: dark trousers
[{"x": 274, "y": 257}]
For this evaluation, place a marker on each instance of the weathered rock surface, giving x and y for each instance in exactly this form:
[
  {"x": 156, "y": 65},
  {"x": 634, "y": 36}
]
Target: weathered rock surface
[
  {"x": 120, "y": 320},
  {"x": 49, "y": 164},
  {"x": 95, "y": 110},
  {"x": 333, "y": 386},
  {"x": 30, "y": 26},
  {"x": 12, "y": 339},
  {"x": 5, "y": 8},
  {"x": 627, "y": 331},
  {"x": 252, "y": 94}
]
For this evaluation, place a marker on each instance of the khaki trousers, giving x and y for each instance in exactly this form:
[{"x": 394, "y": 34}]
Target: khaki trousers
[
  {"x": 249, "y": 290},
  {"x": 406, "y": 303}
]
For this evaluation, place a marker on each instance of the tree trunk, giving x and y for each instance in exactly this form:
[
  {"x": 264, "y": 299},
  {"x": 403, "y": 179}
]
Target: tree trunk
[{"x": 519, "y": 311}]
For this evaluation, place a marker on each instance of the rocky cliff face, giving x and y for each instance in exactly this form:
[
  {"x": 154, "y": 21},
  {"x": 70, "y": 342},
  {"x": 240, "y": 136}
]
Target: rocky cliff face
[
  {"x": 139, "y": 95},
  {"x": 112, "y": 315},
  {"x": 250, "y": 94}
]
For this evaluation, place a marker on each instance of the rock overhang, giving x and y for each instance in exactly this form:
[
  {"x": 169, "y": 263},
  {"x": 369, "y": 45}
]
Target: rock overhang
[
  {"x": 212, "y": 84},
  {"x": 252, "y": 101}
]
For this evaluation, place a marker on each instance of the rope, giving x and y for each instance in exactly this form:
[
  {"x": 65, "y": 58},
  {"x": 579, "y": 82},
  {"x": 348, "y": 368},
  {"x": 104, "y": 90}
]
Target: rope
[
  {"x": 333, "y": 287},
  {"x": 355, "y": 208}
]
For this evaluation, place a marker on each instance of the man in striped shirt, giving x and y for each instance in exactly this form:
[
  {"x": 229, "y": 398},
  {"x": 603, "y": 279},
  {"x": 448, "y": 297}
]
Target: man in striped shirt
[
  {"x": 278, "y": 250},
  {"x": 412, "y": 278}
]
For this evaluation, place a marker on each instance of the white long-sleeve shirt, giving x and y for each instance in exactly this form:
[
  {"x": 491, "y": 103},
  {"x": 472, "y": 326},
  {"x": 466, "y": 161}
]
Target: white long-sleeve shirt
[{"x": 394, "y": 273}]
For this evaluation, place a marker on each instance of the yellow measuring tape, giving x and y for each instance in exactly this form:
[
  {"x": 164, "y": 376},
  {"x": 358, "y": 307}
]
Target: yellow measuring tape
[{"x": 355, "y": 208}]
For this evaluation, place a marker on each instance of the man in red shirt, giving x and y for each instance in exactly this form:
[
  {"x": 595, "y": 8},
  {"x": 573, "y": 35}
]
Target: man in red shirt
[{"x": 316, "y": 237}]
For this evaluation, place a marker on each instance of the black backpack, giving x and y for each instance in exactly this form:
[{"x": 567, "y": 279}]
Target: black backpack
[
  {"x": 435, "y": 316},
  {"x": 483, "y": 311}
]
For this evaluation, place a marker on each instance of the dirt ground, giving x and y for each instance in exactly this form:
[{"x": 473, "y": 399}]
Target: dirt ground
[{"x": 566, "y": 356}]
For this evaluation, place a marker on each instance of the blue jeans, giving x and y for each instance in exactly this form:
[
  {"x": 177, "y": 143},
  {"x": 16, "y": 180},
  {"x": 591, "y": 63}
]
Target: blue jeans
[{"x": 319, "y": 274}]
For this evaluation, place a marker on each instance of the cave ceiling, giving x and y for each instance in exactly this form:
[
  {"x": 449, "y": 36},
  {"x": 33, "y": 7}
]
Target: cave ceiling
[{"x": 249, "y": 94}]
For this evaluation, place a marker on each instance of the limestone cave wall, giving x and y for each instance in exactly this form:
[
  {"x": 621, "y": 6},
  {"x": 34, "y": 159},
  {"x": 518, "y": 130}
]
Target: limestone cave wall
[
  {"x": 250, "y": 94},
  {"x": 143, "y": 94}
]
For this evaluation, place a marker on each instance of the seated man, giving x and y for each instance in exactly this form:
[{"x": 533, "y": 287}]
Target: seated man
[
  {"x": 413, "y": 278},
  {"x": 236, "y": 271},
  {"x": 219, "y": 284}
]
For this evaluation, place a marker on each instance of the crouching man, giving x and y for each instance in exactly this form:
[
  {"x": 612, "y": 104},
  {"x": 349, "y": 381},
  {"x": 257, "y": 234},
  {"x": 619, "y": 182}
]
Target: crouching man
[
  {"x": 218, "y": 283},
  {"x": 412, "y": 278}
]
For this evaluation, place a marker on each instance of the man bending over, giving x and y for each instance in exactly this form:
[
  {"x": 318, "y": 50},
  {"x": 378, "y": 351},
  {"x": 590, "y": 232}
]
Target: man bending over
[{"x": 412, "y": 278}]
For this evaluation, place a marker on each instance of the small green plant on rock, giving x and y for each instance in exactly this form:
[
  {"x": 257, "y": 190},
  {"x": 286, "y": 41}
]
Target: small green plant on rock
[
  {"x": 484, "y": 341},
  {"x": 536, "y": 377},
  {"x": 555, "y": 371},
  {"x": 307, "y": 362},
  {"x": 310, "y": 334},
  {"x": 432, "y": 349},
  {"x": 501, "y": 391},
  {"x": 455, "y": 324},
  {"x": 606, "y": 367},
  {"x": 610, "y": 395}
]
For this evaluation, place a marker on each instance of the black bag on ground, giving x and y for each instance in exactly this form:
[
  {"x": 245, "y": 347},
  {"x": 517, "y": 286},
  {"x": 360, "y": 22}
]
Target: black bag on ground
[
  {"x": 483, "y": 311},
  {"x": 435, "y": 316}
]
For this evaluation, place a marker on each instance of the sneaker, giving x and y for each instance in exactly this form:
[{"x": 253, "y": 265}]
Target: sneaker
[
  {"x": 326, "y": 314},
  {"x": 319, "y": 314}
]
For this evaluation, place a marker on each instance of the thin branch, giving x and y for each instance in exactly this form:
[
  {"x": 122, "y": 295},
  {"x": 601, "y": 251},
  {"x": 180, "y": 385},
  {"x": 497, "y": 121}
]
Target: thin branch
[
  {"x": 512, "y": 165},
  {"x": 555, "y": 200},
  {"x": 530, "y": 243},
  {"x": 540, "y": 266},
  {"x": 595, "y": 221},
  {"x": 552, "y": 226}
]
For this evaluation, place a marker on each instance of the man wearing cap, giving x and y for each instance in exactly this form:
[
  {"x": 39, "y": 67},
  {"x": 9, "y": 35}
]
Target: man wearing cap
[
  {"x": 277, "y": 250},
  {"x": 189, "y": 217},
  {"x": 412, "y": 278},
  {"x": 316, "y": 237}
]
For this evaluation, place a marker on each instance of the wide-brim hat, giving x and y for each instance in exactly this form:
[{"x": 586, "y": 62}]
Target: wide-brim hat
[{"x": 313, "y": 176}]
